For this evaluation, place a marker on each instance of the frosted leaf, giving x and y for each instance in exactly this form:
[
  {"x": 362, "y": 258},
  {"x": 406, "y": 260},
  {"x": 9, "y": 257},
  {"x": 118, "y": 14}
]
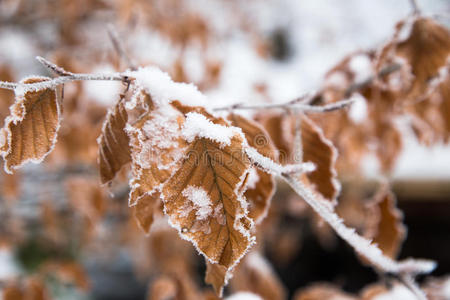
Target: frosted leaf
[{"x": 32, "y": 126}]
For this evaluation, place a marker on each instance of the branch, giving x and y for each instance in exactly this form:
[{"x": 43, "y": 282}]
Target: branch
[
  {"x": 405, "y": 270},
  {"x": 54, "y": 68},
  {"x": 302, "y": 103},
  {"x": 64, "y": 78}
]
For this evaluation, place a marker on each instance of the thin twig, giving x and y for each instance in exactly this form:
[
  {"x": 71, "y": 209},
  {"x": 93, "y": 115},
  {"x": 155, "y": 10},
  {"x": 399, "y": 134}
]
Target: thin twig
[
  {"x": 119, "y": 48},
  {"x": 302, "y": 103},
  {"x": 54, "y": 68},
  {"x": 410, "y": 283},
  {"x": 64, "y": 78}
]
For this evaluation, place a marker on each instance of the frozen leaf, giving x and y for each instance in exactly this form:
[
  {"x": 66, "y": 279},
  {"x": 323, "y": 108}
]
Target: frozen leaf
[
  {"x": 385, "y": 225},
  {"x": 32, "y": 126},
  {"x": 260, "y": 185},
  {"x": 113, "y": 143},
  {"x": 203, "y": 202},
  {"x": 156, "y": 148}
]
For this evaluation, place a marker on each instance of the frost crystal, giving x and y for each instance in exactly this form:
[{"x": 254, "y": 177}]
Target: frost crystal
[
  {"x": 197, "y": 125},
  {"x": 164, "y": 90},
  {"x": 200, "y": 199}
]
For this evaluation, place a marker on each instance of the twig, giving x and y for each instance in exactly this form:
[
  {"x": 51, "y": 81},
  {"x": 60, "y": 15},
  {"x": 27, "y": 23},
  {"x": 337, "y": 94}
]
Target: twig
[
  {"x": 118, "y": 46},
  {"x": 302, "y": 103},
  {"x": 52, "y": 67},
  {"x": 64, "y": 78},
  {"x": 409, "y": 282}
]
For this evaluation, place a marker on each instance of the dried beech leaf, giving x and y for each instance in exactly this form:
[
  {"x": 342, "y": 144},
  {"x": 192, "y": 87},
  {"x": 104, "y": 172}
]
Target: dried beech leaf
[
  {"x": 113, "y": 143},
  {"x": 202, "y": 201},
  {"x": 256, "y": 275},
  {"x": 145, "y": 209},
  {"x": 320, "y": 151},
  {"x": 31, "y": 128},
  {"x": 385, "y": 225},
  {"x": 260, "y": 185}
]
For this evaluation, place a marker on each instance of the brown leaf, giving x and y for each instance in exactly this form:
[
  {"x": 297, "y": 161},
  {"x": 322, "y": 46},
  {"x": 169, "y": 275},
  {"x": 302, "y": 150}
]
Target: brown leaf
[
  {"x": 31, "y": 129},
  {"x": 202, "y": 202},
  {"x": 114, "y": 142},
  {"x": 155, "y": 150},
  {"x": 385, "y": 225},
  {"x": 426, "y": 50},
  {"x": 320, "y": 151},
  {"x": 260, "y": 185}
]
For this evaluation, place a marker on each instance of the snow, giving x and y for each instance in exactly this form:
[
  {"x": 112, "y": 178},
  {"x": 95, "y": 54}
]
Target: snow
[
  {"x": 361, "y": 65},
  {"x": 358, "y": 110},
  {"x": 164, "y": 90},
  {"x": 252, "y": 179},
  {"x": 197, "y": 125},
  {"x": 200, "y": 200},
  {"x": 244, "y": 296}
]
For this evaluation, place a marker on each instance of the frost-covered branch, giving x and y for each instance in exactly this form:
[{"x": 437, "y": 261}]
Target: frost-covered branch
[
  {"x": 64, "y": 77},
  {"x": 52, "y": 67},
  {"x": 302, "y": 103},
  {"x": 404, "y": 270},
  {"x": 293, "y": 105}
]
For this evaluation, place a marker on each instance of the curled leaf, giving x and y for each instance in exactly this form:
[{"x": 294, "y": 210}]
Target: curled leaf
[
  {"x": 31, "y": 128},
  {"x": 113, "y": 148}
]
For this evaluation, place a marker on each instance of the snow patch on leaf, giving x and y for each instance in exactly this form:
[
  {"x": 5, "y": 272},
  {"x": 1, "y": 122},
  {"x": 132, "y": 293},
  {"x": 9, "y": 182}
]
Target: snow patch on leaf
[
  {"x": 197, "y": 125},
  {"x": 200, "y": 200}
]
